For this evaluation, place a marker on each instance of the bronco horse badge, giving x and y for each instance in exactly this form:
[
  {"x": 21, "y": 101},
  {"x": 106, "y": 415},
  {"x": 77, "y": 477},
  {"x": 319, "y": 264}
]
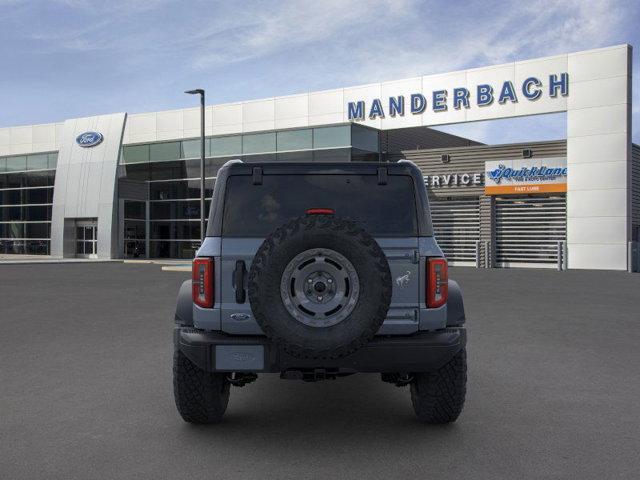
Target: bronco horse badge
[{"x": 403, "y": 280}]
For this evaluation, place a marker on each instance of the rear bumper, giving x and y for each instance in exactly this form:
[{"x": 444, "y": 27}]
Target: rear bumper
[{"x": 421, "y": 352}]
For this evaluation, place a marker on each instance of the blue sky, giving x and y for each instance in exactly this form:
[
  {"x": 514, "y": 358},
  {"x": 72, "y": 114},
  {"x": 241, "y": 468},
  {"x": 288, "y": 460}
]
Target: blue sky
[{"x": 72, "y": 58}]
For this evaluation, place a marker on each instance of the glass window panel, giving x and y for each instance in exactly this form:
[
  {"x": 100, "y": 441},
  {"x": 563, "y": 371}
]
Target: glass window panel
[
  {"x": 8, "y": 214},
  {"x": 37, "y": 230},
  {"x": 15, "y": 247},
  {"x": 38, "y": 195},
  {"x": 38, "y": 162},
  {"x": 134, "y": 249},
  {"x": 39, "y": 179},
  {"x": 37, "y": 213},
  {"x": 37, "y": 247},
  {"x": 168, "y": 190},
  {"x": 53, "y": 160},
  {"x": 192, "y": 168},
  {"x": 191, "y": 148},
  {"x": 364, "y": 138},
  {"x": 175, "y": 210},
  {"x": 168, "y": 170},
  {"x": 14, "y": 230},
  {"x": 3, "y": 165},
  {"x": 295, "y": 140},
  {"x": 180, "y": 189},
  {"x": 134, "y": 230},
  {"x": 135, "y": 153},
  {"x": 175, "y": 230},
  {"x": 140, "y": 171},
  {"x": 13, "y": 180},
  {"x": 179, "y": 249},
  {"x": 327, "y": 137},
  {"x": 12, "y": 197},
  {"x": 134, "y": 209},
  {"x": 259, "y": 143},
  {"x": 16, "y": 164},
  {"x": 162, "y": 152},
  {"x": 226, "y": 146},
  {"x": 337, "y": 155}
]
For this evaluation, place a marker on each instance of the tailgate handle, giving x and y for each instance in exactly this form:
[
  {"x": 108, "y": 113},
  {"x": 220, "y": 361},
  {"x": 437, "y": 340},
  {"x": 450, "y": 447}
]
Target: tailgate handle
[
  {"x": 238, "y": 281},
  {"x": 414, "y": 257}
]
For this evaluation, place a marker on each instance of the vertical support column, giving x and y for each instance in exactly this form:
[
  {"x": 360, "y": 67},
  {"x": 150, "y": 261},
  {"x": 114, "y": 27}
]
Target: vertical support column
[
  {"x": 147, "y": 228},
  {"x": 599, "y": 158},
  {"x": 91, "y": 177},
  {"x": 120, "y": 229},
  {"x": 487, "y": 234}
]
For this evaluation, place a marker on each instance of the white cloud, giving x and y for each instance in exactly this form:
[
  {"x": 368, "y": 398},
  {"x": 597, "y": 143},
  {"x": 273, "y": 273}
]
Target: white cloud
[
  {"x": 288, "y": 25},
  {"x": 319, "y": 44},
  {"x": 530, "y": 29},
  {"x": 512, "y": 130}
]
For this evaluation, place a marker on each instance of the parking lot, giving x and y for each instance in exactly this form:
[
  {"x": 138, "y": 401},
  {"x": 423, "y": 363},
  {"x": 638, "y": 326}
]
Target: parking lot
[{"x": 85, "y": 387}]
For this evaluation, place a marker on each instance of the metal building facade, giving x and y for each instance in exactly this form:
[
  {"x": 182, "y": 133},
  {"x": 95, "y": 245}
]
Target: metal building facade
[
  {"x": 593, "y": 89},
  {"x": 498, "y": 230}
]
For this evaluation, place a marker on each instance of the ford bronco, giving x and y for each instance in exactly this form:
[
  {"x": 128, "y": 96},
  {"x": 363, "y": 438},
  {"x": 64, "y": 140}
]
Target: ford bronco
[{"x": 317, "y": 271}]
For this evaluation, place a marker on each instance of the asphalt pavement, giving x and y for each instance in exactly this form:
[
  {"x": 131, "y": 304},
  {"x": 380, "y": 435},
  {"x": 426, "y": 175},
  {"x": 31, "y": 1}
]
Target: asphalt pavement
[{"x": 85, "y": 388}]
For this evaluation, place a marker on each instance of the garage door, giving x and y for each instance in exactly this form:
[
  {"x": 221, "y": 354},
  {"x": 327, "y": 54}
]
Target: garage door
[
  {"x": 456, "y": 224},
  {"x": 528, "y": 229}
]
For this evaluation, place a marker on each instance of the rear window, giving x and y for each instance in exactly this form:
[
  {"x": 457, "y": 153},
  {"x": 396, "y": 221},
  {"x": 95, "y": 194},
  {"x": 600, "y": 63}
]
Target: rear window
[{"x": 256, "y": 210}]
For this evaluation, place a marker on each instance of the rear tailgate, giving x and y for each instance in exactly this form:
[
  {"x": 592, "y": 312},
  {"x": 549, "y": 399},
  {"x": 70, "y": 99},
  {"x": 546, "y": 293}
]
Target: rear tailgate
[
  {"x": 401, "y": 253},
  {"x": 387, "y": 210}
]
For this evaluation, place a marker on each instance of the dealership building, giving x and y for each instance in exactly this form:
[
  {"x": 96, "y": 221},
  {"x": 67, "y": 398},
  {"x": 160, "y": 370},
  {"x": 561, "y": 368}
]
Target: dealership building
[{"x": 127, "y": 185}]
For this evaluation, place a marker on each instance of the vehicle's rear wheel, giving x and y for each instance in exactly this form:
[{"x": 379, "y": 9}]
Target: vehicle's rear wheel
[
  {"x": 201, "y": 397},
  {"x": 438, "y": 397}
]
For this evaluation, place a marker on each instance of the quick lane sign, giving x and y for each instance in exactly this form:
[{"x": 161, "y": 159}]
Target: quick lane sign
[
  {"x": 483, "y": 95},
  {"x": 526, "y": 176}
]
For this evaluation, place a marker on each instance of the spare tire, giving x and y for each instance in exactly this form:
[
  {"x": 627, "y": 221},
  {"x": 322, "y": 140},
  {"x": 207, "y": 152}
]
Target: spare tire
[{"x": 320, "y": 287}]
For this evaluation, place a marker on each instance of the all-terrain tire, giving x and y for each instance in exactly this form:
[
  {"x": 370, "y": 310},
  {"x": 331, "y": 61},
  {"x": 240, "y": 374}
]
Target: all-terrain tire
[
  {"x": 438, "y": 397},
  {"x": 201, "y": 397},
  {"x": 317, "y": 232}
]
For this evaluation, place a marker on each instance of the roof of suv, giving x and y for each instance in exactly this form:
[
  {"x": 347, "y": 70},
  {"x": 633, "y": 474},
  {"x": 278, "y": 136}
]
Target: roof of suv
[{"x": 237, "y": 167}]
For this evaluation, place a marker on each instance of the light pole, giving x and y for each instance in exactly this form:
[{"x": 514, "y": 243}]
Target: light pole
[{"x": 200, "y": 92}]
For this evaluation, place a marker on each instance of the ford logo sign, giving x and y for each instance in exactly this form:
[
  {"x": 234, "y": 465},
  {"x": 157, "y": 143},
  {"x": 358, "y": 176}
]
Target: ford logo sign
[{"x": 89, "y": 139}]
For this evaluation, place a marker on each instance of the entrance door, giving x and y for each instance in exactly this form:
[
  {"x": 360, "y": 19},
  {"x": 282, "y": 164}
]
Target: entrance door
[
  {"x": 87, "y": 239},
  {"x": 528, "y": 230}
]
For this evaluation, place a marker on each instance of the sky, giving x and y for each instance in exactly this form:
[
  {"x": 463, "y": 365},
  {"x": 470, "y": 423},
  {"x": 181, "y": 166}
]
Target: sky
[{"x": 72, "y": 58}]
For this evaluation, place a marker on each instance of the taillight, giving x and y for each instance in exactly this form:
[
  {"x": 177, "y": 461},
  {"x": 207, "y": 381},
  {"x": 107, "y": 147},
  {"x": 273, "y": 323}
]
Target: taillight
[
  {"x": 437, "y": 282},
  {"x": 202, "y": 282}
]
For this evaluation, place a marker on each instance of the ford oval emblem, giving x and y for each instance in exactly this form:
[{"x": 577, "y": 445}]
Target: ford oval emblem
[{"x": 89, "y": 139}]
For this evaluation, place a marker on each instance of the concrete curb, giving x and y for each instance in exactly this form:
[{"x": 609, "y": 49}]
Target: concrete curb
[
  {"x": 176, "y": 268},
  {"x": 57, "y": 260}
]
